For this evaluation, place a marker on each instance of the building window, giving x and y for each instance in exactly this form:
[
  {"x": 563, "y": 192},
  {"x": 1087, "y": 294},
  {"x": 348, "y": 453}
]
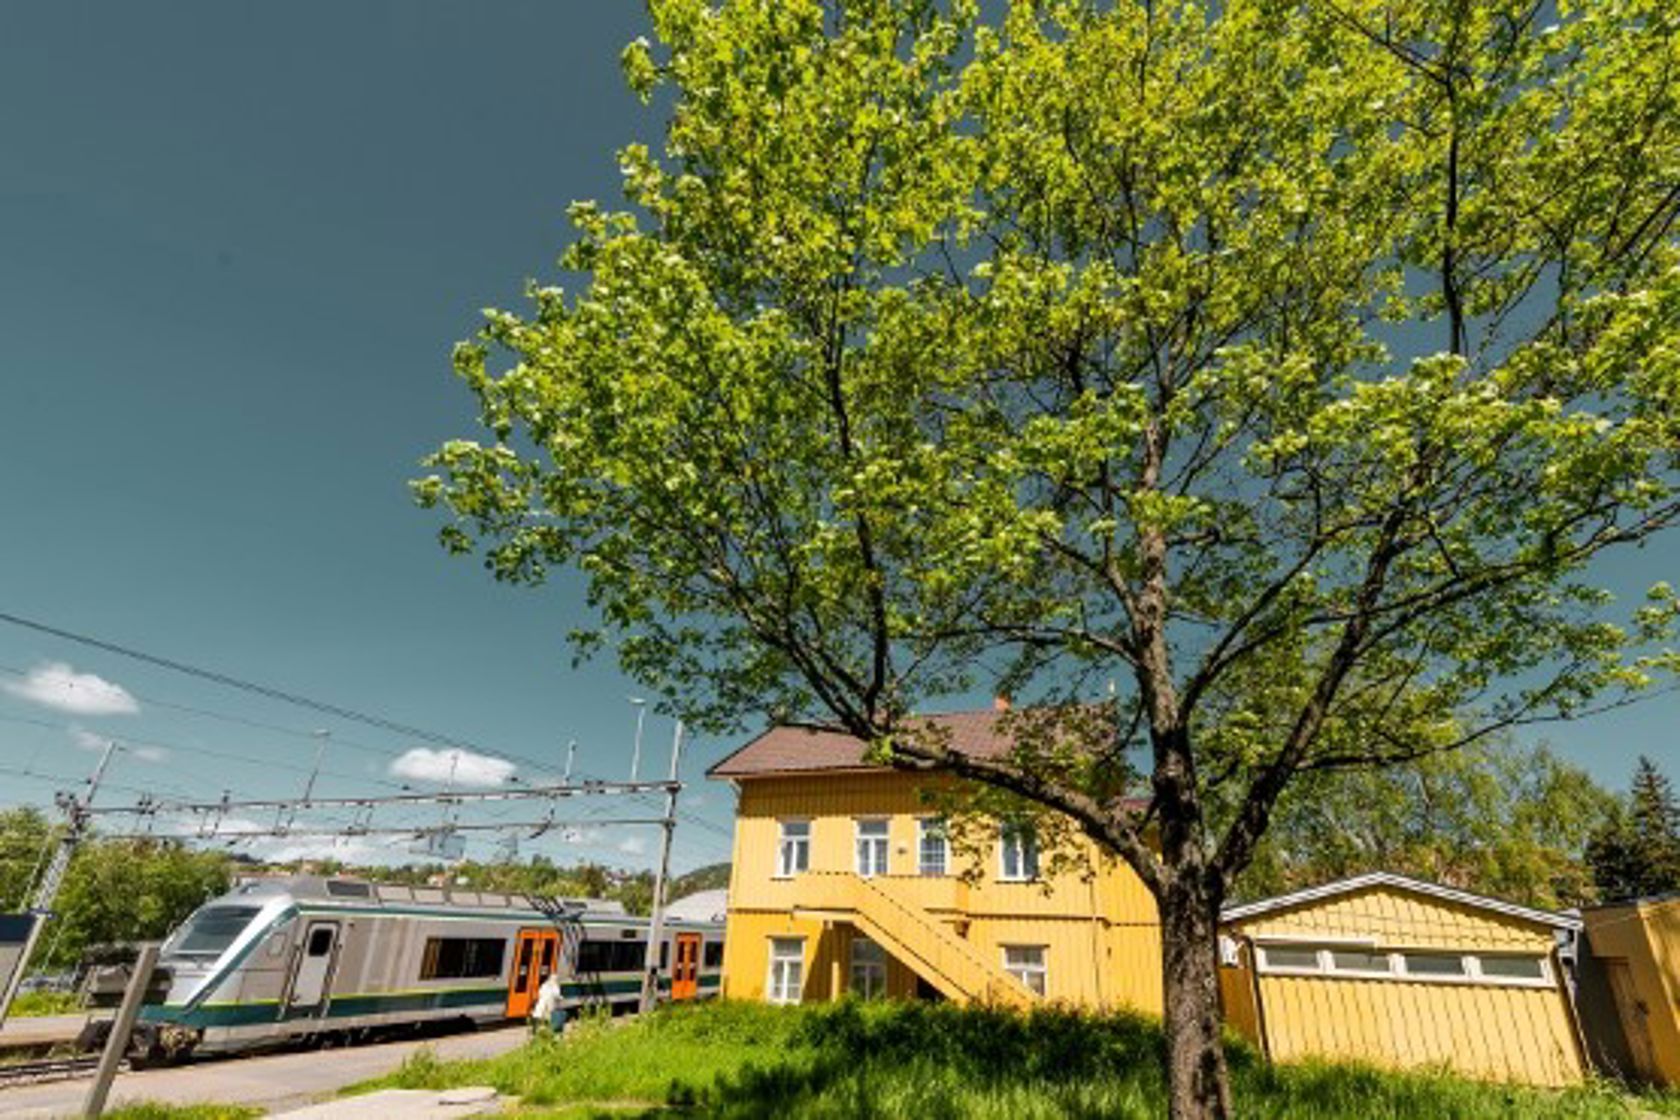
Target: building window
[
  {"x": 1019, "y": 853},
  {"x": 787, "y": 969},
  {"x": 1496, "y": 969},
  {"x": 869, "y": 968},
  {"x": 932, "y": 847},
  {"x": 793, "y": 854},
  {"x": 1026, "y": 964},
  {"x": 460, "y": 958},
  {"x": 1426, "y": 966},
  {"x": 1361, "y": 962},
  {"x": 1293, "y": 958},
  {"x": 1433, "y": 964},
  {"x": 872, "y": 847}
]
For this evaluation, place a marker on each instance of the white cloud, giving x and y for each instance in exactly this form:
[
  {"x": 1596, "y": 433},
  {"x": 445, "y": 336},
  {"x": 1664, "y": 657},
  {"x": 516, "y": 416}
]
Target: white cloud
[
  {"x": 633, "y": 846},
  {"x": 91, "y": 741},
  {"x": 422, "y": 764},
  {"x": 55, "y": 684}
]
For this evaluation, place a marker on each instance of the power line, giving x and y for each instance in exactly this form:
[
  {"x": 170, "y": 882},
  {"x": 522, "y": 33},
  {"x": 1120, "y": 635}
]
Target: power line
[
  {"x": 129, "y": 741},
  {"x": 268, "y": 692}
]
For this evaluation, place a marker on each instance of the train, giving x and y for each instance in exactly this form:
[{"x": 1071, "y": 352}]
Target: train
[{"x": 308, "y": 959}]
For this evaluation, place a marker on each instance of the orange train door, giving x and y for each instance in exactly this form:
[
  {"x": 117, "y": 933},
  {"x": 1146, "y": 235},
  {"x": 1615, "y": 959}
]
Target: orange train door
[
  {"x": 534, "y": 954},
  {"x": 685, "y": 970}
]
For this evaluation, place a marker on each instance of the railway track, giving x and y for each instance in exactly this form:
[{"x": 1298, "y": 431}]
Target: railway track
[{"x": 45, "y": 1069}]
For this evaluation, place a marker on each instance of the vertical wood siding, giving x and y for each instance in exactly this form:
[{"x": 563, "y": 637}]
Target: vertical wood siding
[
  {"x": 1505, "y": 1033},
  {"x": 1642, "y": 940}
]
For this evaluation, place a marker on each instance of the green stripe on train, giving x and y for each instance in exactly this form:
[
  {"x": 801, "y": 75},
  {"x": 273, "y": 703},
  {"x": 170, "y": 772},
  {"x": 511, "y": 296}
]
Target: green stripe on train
[{"x": 356, "y": 1005}]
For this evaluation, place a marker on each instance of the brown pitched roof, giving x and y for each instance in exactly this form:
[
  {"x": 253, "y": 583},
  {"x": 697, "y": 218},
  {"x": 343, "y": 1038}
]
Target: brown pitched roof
[{"x": 799, "y": 748}]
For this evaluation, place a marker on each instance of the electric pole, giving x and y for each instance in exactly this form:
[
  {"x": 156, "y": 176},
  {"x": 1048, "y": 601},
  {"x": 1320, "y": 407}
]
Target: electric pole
[
  {"x": 46, "y": 890},
  {"x": 656, "y": 922}
]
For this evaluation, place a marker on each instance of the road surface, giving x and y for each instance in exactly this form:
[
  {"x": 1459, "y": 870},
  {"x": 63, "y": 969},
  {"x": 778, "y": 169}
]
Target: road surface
[{"x": 274, "y": 1082}]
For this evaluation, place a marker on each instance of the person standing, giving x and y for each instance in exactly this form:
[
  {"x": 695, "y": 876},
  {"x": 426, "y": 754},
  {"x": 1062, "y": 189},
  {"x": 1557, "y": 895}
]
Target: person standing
[{"x": 548, "y": 1011}]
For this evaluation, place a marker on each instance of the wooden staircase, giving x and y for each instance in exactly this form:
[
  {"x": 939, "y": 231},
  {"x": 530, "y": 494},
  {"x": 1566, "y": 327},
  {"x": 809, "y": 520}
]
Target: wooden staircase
[{"x": 884, "y": 911}]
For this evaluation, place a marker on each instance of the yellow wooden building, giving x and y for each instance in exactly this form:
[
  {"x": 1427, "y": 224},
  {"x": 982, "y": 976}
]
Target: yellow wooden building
[
  {"x": 1630, "y": 988},
  {"x": 1398, "y": 972},
  {"x": 844, "y": 880}
]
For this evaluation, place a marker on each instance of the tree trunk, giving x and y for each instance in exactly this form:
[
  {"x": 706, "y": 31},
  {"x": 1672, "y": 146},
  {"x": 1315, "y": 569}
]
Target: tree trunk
[{"x": 1197, "y": 1084}]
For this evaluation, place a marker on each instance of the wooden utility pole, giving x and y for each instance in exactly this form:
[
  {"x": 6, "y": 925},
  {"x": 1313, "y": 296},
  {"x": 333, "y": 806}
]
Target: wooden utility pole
[{"x": 116, "y": 1043}]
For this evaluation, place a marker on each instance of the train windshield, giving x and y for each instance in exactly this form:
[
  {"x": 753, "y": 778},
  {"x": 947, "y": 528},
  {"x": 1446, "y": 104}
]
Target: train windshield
[{"x": 211, "y": 930}]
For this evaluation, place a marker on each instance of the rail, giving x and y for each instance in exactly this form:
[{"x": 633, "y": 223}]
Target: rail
[{"x": 45, "y": 1069}]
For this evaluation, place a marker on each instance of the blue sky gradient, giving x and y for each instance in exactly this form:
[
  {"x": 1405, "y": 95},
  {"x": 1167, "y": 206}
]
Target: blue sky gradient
[{"x": 239, "y": 241}]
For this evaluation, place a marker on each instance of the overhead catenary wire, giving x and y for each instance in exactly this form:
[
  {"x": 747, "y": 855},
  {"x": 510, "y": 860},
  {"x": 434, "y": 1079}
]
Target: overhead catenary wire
[
  {"x": 270, "y": 692},
  {"x": 338, "y": 711}
]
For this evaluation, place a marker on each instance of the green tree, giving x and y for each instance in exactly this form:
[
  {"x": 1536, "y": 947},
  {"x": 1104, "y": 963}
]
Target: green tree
[
  {"x": 1284, "y": 364},
  {"x": 24, "y": 836},
  {"x": 119, "y": 891},
  {"x": 1637, "y": 851},
  {"x": 1504, "y": 821}
]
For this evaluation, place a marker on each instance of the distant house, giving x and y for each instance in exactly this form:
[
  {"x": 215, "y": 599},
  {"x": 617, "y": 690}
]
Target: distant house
[
  {"x": 843, "y": 879},
  {"x": 1630, "y": 988},
  {"x": 1398, "y": 972}
]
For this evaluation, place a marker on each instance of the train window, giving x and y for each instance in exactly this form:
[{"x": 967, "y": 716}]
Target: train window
[
  {"x": 611, "y": 956},
  {"x": 458, "y": 958},
  {"x": 348, "y": 888},
  {"x": 320, "y": 941},
  {"x": 664, "y": 954},
  {"x": 713, "y": 954},
  {"x": 212, "y": 930}
]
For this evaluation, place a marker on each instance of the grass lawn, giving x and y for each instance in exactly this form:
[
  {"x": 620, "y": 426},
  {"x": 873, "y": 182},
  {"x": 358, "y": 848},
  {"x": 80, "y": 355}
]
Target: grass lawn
[
  {"x": 45, "y": 1003},
  {"x": 934, "y": 1061}
]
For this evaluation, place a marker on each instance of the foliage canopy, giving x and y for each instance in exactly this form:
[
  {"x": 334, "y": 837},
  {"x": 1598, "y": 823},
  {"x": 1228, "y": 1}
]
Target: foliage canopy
[{"x": 1284, "y": 364}]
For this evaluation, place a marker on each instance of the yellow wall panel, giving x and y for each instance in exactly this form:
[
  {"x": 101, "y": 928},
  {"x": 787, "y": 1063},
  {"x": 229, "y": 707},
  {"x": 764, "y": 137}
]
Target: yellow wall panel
[
  {"x": 1508, "y": 1034},
  {"x": 1501, "y": 1032},
  {"x": 1100, "y": 929},
  {"x": 1642, "y": 940}
]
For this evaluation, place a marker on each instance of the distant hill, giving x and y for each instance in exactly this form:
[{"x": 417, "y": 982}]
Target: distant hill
[{"x": 711, "y": 877}]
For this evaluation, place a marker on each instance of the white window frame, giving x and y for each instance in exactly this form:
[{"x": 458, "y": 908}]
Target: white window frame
[
  {"x": 867, "y": 975},
  {"x": 1325, "y": 965},
  {"x": 786, "y": 866},
  {"x": 932, "y": 829},
  {"x": 872, "y": 852},
  {"x": 1022, "y": 972},
  {"x": 778, "y": 988},
  {"x": 1023, "y": 840}
]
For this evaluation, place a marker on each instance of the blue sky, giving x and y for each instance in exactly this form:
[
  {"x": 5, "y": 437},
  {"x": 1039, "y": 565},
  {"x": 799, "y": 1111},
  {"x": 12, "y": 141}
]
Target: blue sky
[{"x": 239, "y": 241}]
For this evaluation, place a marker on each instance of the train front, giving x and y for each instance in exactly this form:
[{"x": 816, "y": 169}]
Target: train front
[{"x": 206, "y": 964}]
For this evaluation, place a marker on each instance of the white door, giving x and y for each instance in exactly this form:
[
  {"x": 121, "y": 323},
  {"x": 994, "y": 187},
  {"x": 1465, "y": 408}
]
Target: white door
[{"x": 314, "y": 967}]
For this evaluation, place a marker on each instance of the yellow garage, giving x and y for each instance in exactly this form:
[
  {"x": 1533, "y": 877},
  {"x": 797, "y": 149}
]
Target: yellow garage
[
  {"x": 1630, "y": 986},
  {"x": 1398, "y": 972}
]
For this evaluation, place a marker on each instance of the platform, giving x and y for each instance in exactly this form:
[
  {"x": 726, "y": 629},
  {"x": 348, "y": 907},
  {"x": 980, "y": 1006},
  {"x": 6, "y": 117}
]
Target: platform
[{"x": 44, "y": 1032}]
